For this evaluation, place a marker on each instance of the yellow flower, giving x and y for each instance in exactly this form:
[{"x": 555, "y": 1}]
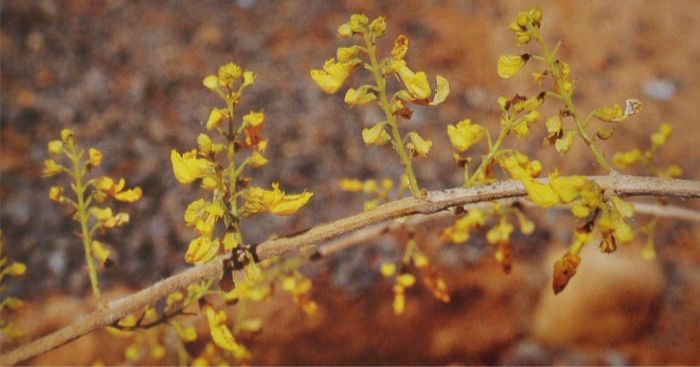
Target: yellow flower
[
  {"x": 360, "y": 96},
  {"x": 378, "y": 26},
  {"x": 540, "y": 194},
  {"x": 375, "y": 135},
  {"x": 579, "y": 210},
  {"x": 465, "y": 134},
  {"x": 351, "y": 185},
  {"x": 106, "y": 186},
  {"x": 229, "y": 241},
  {"x": 615, "y": 113},
  {"x": 553, "y": 126},
  {"x": 659, "y": 138},
  {"x": 194, "y": 212},
  {"x": 345, "y": 54},
  {"x": 673, "y": 171},
  {"x": 205, "y": 143},
  {"x": 56, "y": 193},
  {"x": 510, "y": 65},
  {"x": 248, "y": 78},
  {"x": 258, "y": 200},
  {"x": 51, "y": 168},
  {"x": 357, "y": 24},
  {"x": 16, "y": 269},
  {"x": 257, "y": 160},
  {"x": 129, "y": 196},
  {"x": 563, "y": 144},
  {"x": 418, "y": 145},
  {"x": 369, "y": 186},
  {"x": 400, "y": 47},
  {"x": 216, "y": 117},
  {"x": 421, "y": 261},
  {"x": 416, "y": 84},
  {"x": 228, "y": 74},
  {"x": 333, "y": 75},
  {"x": 538, "y": 77},
  {"x": 220, "y": 333},
  {"x": 459, "y": 232},
  {"x": 300, "y": 288},
  {"x": 399, "y": 304},
  {"x": 56, "y": 147},
  {"x": 567, "y": 188},
  {"x": 99, "y": 251},
  {"x": 67, "y": 135},
  {"x": 609, "y": 114},
  {"x": 522, "y": 127},
  {"x": 211, "y": 82},
  {"x": 186, "y": 333},
  {"x": 625, "y": 209},
  {"x": 612, "y": 225},
  {"x": 528, "y": 104},
  {"x": 624, "y": 159},
  {"x": 201, "y": 249},
  {"x": 187, "y": 167},
  {"x": 500, "y": 233},
  {"x": 406, "y": 280},
  {"x": 387, "y": 269},
  {"x": 254, "y": 118},
  {"x": 525, "y": 19},
  {"x": 95, "y": 157},
  {"x": 107, "y": 219}
]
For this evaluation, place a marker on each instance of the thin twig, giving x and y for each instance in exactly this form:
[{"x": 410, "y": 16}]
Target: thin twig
[
  {"x": 367, "y": 234},
  {"x": 433, "y": 202}
]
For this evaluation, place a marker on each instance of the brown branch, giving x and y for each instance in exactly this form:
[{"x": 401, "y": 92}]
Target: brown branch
[
  {"x": 433, "y": 202},
  {"x": 366, "y": 234}
]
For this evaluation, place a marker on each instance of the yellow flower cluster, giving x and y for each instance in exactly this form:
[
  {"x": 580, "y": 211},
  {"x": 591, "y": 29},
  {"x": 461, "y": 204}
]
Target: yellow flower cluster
[
  {"x": 226, "y": 180},
  {"x": 403, "y": 279},
  {"x": 415, "y": 89},
  {"x": 462, "y": 227},
  {"x": 221, "y": 334},
  {"x": 381, "y": 192},
  {"x": 526, "y": 27},
  {"x": 605, "y": 212},
  {"x": 13, "y": 269},
  {"x": 498, "y": 235},
  {"x": 229, "y": 83},
  {"x": 86, "y": 192},
  {"x": 299, "y": 287},
  {"x": 146, "y": 345},
  {"x": 647, "y": 158},
  {"x": 525, "y": 21}
]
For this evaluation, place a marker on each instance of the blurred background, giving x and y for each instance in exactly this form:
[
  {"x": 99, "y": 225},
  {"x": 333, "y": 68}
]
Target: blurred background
[{"x": 126, "y": 76}]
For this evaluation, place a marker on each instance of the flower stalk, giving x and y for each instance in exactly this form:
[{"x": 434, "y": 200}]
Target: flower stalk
[{"x": 397, "y": 141}]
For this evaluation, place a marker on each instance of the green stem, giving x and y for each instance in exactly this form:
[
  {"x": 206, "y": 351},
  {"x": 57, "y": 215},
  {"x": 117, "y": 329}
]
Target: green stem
[
  {"x": 391, "y": 118},
  {"x": 83, "y": 217},
  {"x": 505, "y": 128},
  {"x": 233, "y": 174},
  {"x": 568, "y": 99}
]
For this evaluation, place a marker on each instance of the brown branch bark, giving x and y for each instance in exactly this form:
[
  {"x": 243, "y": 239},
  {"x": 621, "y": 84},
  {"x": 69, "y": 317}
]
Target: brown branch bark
[{"x": 433, "y": 202}]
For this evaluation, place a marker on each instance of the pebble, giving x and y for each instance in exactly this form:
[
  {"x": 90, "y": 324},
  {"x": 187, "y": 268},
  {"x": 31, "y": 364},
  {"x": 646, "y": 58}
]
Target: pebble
[{"x": 660, "y": 89}]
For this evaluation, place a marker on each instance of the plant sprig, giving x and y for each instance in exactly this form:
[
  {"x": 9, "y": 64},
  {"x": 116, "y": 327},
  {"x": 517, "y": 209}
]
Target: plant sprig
[
  {"x": 416, "y": 89},
  {"x": 86, "y": 192}
]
